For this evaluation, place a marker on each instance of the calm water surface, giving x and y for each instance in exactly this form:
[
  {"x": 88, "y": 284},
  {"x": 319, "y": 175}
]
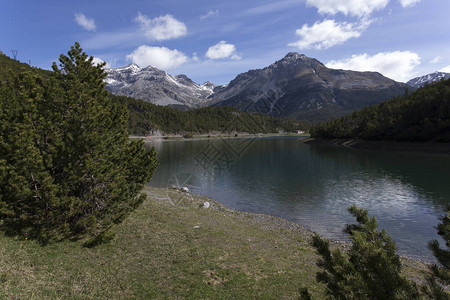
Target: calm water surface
[{"x": 313, "y": 185}]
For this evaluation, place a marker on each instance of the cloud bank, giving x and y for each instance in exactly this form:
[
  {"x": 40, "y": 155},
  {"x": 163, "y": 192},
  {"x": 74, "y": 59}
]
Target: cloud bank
[
  {"x": 398, "y": 65},
  {"x": 326, "y": 34},
  {"x": 222, "y": 50},
  {"x": 161, "y": 28},
  {"x": 357, "y": 8},
  {"x": 158, "y": 57},
  {"x": 446, "y": 69}
]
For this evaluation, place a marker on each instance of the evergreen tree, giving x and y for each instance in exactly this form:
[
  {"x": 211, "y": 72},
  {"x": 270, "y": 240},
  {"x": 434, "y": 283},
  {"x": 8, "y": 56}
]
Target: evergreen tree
[
  {"x": 440, "y": 274},
  {"x": 68, "y": 168},
  {"x": 370, "y": 269}
]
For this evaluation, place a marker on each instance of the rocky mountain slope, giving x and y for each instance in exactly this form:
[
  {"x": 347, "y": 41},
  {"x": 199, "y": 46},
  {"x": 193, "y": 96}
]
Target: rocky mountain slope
[
  {"x": 295, "y": 86},
  {"x": 430, "y": 78},
  {"x": 156, "y": 86},
  {"x": 301, "y": 87}
]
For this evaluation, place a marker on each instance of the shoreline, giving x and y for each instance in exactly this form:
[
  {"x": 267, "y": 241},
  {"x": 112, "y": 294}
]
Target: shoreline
[
  {"x": 279, "y": 224},
  {"x": 413, "y": 267},
  {"x": 179, "y": 137},
  {"x": 384, "y": 145}
]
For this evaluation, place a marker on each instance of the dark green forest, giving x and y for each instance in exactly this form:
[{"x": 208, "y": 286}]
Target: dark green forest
[
  {"x": 144, "y": 118},
  {"x": 7, "y": 64},
  {"x": 423, "y": 115}
]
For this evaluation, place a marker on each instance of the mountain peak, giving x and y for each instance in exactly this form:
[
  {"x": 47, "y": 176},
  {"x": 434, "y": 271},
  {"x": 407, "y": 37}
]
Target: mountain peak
[
  {"x": 294, "y": 55},
  {"x": 296, "y": 59},
  {"x": 429, "y": 78},
  {"x": 133, "y": 68}
]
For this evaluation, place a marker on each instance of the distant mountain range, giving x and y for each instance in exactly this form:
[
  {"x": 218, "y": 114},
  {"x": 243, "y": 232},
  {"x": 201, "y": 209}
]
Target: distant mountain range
[
  {"x": 296, "y": 86},
  {"x": 430, "y": 78},
  {"x": 158, "y": 87}
]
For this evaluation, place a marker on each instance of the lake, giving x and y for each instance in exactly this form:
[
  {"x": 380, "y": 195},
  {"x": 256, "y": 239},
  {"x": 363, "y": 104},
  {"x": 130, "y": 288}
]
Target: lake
[{"x": 313, "y": 185}]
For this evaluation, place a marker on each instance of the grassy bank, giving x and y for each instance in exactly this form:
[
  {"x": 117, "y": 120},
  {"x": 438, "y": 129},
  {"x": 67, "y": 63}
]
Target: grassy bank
[{"x": 171, "y": 248}]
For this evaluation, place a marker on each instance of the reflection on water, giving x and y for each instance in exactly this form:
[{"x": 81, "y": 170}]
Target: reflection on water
[{"x": 313, "y": 185}]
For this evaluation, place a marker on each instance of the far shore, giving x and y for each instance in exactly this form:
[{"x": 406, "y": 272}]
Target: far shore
[
  {"x": 419, "y": 147},
  {"x": 179, "y": 137},
  {"x": 360, "y": 144}
]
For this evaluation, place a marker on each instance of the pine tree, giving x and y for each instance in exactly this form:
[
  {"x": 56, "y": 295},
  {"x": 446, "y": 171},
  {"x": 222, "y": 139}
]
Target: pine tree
[
  {"x": 370, "y": 269},
  {"x": 68, "y": 167},
  {"x": 440, "y": 274}
]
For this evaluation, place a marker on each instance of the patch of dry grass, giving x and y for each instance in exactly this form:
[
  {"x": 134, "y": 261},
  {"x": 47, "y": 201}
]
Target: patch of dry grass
[{"x": 169, "y": 248}]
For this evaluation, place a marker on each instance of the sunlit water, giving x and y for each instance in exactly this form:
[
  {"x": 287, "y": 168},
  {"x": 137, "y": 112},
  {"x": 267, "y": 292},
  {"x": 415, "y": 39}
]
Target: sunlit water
[{"x": 313, "y": 185}]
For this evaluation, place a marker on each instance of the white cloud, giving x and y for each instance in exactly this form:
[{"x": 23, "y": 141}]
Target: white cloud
[
  {"x": 222, "y": 50},
  {"x": 436, "y": 60},
  {"x": 158, "y": 57},
  {"x": 398, "y": 65},
  {"x": 98, "y": 60},
  {"x": 85, "y": 22},
  {"x": 211, "y": 13},
  {"x": 161, "y": 28},
  {"x": 326, "y": 34},
  {"x": 406, "y": 3},
  {"x": 446, "y": 69},
  {"x": 348, "y": 7}
]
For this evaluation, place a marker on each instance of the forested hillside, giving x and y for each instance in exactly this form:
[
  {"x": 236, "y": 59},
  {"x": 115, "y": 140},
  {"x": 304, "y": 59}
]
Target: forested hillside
[
  {"x": 7, "y": 64},
  {"x": 145, "y": 117},
  {"x": 423, "y": 115}
]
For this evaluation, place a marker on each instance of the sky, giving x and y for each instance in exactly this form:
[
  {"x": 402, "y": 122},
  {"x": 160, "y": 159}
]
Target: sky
[{"x": 210, "y": 40}]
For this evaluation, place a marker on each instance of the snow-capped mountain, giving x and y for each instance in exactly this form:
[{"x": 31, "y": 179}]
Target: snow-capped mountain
[
  {"x": 156, "y": 86},
  {"x": 430, "y": 78},
  {"x": 296, "y": 86},
  {"x": 302, "y": 87}
]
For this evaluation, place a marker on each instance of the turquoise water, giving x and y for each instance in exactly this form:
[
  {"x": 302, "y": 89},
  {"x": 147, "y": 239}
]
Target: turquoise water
[{"x": 313, "y": 185}]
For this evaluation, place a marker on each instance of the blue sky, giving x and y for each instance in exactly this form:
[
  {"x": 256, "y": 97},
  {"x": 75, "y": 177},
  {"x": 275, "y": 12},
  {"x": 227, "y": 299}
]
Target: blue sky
[{"x": 217, "y": 40}]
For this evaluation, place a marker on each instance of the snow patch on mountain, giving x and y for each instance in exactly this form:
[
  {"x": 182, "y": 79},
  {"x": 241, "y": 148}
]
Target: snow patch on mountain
[
  {"x": 429, "y": 78},
  {"x": 156, "y": 86}
]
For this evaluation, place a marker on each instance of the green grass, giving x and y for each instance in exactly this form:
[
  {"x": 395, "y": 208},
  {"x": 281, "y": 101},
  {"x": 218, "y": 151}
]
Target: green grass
[{"x": 169, "y": 248}]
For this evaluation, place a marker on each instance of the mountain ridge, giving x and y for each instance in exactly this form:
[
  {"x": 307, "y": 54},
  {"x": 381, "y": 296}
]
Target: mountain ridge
[
  {"x": 295, "y": 86},
  {"x": 156, "y": 86},
  {"x": 304, "y": 88},
  {"x": 420, "y": 81}
]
